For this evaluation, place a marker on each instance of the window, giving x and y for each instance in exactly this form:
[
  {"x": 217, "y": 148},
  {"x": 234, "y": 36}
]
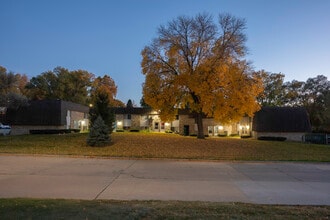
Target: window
[
  {"x": 156, "y": 125},
  {"x": 245, "y": 131}
]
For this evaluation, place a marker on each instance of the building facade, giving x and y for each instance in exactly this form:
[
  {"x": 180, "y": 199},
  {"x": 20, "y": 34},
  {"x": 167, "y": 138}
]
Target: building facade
[
  {"x": 136, "y": 119},
  {"x": 291, "y": 123},
  {"x": 288, "y": 122},
  {"x": 47, "y": 115},
  {"x": 132, "y": 118}
]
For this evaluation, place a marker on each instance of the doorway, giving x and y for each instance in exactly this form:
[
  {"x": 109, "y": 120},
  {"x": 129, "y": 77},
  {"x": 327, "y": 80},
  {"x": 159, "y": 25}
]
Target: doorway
[{"x": 186, "y": 130}]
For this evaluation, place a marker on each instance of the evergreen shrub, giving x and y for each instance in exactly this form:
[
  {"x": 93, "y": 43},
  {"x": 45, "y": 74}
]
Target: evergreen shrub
[{"x": 99, "y": 134}]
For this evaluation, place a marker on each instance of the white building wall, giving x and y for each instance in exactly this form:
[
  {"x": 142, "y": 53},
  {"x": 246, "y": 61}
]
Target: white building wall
[{"x": 290, "y": 136}]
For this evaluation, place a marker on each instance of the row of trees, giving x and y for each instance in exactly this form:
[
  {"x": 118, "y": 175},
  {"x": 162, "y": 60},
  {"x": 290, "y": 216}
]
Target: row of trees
[
  {"x": 78, "y": 86},
  {"x": 314, "y": 95},
  {"x": 12, "y": 89}
]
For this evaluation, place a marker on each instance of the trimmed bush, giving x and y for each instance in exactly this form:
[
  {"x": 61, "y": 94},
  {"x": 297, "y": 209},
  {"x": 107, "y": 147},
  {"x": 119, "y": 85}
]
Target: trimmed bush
[
  {"x": 54, "y": 131},
  {"x": 222, "y": 135},
  {"x": 234, "y": 135},
  {"x": 270, "y": 138},
  {"x": 246, "y": 136}
]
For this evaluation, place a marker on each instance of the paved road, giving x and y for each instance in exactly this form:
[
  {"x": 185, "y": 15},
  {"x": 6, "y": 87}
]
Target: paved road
[{"x": 80, "y": 178}]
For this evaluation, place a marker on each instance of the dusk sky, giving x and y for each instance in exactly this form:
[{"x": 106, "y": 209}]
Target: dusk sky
[{"x": 107, "y": 36}]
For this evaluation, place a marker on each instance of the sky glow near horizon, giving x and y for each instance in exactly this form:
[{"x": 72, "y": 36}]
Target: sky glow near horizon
[{"x": 107, "y": 37}]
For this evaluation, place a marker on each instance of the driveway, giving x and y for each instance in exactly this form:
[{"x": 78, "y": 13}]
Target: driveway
[{"x": 81, "y": 178}]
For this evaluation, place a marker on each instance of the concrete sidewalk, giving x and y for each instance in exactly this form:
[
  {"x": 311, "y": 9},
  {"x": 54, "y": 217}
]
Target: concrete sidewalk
[{"x": 80, "y": 178}]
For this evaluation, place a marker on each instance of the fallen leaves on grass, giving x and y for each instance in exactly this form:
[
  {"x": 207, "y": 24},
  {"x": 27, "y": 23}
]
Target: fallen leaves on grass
[
  {"x": 179, "y": 147},
  {"x": 170, "y": 146}
]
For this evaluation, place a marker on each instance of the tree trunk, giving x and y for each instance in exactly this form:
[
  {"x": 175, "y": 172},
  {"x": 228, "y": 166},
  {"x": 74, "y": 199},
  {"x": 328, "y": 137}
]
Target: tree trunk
[{"x": 199, "y": 120}]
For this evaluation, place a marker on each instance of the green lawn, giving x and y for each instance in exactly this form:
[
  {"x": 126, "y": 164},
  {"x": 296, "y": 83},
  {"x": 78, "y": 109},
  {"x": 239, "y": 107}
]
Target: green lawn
[
  {"x": 171, "y": 146},
  {"x": 101, "y": 209}
]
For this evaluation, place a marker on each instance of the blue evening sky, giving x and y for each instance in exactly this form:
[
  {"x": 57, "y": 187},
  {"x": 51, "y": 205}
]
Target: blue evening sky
[{"x": 107, "y": 36}]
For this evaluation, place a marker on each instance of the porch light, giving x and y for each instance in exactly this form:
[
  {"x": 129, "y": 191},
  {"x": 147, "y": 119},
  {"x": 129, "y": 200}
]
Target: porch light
[
  {"x": 220, "y": 127},
  {"x": 119, "y": 123},
  {"x": 167, "y": 124}
]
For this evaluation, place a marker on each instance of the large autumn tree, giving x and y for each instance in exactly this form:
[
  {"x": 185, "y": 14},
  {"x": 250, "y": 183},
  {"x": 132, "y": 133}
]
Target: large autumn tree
[{"x": 198, "y": 63}]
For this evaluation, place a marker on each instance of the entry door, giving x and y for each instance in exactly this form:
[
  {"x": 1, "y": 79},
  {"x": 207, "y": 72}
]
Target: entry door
[
  {"x": 186, "y": 130},
  {"x": 156, "y": 126},
  {"x": 210, "y": 130}
]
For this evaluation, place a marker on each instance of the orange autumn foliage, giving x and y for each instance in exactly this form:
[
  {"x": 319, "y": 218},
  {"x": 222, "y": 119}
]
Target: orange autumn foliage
[
  {"x": 196, "y": 64},
  {"x": 105, "y": 85}
]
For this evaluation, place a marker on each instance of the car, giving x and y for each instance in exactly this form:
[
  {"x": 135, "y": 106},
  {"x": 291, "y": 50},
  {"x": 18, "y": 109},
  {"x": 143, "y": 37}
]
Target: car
[{"x": 4, "y": 129}]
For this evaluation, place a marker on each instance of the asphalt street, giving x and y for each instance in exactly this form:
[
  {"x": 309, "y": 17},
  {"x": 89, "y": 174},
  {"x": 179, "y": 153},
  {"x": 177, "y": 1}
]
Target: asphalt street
[{"x": 85, "y": 178}]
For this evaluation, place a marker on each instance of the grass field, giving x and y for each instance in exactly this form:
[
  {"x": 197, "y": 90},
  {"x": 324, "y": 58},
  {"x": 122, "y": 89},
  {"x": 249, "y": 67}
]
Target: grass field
[
  {"x": 101, "y": 209},
  {"x": 169, "y": 146}
]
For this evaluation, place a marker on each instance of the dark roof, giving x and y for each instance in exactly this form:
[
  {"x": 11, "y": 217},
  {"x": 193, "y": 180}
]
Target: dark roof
[
  {"x": 65, "y": 105},
  {"x": 131, "y": 110},
  {"x": 145, "y": 111},
  {"x": 43, "y": 112},
  {"x": 281, "y": 119}
]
